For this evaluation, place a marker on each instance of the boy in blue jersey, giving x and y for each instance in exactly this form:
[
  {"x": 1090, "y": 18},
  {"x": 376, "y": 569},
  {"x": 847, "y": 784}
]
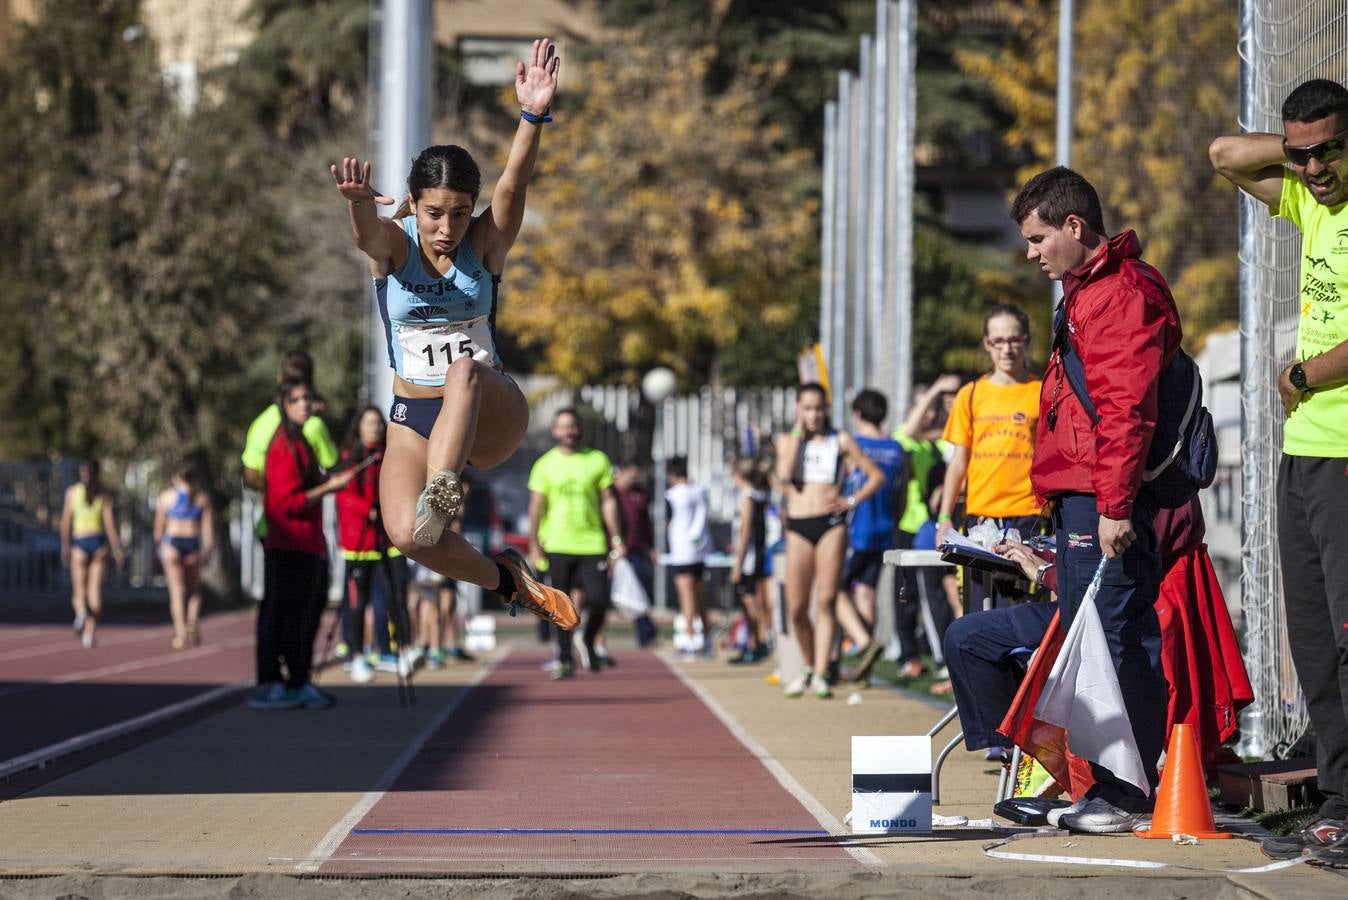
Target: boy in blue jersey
[{"x": 872, "y": 528}]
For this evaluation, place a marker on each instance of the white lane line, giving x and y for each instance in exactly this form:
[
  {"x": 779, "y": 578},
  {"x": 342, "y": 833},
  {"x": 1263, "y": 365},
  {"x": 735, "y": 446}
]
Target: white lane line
[
  {"x": 991, "y": 851},
  {"x": 73, "y": 645},
  {"x": 133, "y": 666},
  {"x": 153, "y": 632},
  {"x": 41, "y": 757},
  {"x": 333, "y": 839},
  {"x": 793, "y": 787}
]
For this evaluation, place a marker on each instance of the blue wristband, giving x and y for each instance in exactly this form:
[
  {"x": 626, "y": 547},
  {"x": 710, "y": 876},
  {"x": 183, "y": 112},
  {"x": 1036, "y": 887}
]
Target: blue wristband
[{"x": 534, "y": 118}]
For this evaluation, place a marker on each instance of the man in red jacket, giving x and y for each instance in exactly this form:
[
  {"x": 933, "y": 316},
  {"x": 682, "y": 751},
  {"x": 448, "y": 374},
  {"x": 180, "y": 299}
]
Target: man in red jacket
[{"x": 1118, "y": 317}]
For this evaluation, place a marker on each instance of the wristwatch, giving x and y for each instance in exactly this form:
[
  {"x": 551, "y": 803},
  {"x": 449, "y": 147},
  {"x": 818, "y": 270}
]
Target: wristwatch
[
  {"x": 1039, "y": 575},
  {"x": 1298, "y": 377}
]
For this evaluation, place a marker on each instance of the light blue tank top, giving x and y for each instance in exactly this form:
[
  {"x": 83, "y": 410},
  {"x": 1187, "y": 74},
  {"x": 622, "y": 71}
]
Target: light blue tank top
[
  {"x": 183, "y": 507},
  {"x": 432, "y": 320}
]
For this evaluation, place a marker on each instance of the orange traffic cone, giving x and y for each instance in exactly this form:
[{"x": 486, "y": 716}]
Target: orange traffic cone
[{"x": 1182, "y": 802}]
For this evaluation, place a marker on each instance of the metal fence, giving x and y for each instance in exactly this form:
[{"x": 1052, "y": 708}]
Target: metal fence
[
  {"x": 866, "y": 271},
  {"x": 710, "y": 427},
  {"x": 1282, "y": 43}
]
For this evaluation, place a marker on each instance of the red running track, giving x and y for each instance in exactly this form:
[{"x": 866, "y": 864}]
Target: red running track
[
  {"x": 631, "y": 752},
  {"x": 52, "y": 689}
]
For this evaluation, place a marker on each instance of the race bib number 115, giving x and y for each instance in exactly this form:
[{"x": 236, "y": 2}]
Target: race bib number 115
[{"x": 428, "y": 350}]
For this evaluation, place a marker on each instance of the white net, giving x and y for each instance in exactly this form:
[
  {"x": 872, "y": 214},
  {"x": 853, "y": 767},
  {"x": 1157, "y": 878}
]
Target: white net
[{"x": 1282, "y": 43}]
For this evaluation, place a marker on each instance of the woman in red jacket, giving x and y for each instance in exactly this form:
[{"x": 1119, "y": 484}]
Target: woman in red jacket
[
  {"x": 296, "y": 567},
  {"x": 360, "y": 532}
]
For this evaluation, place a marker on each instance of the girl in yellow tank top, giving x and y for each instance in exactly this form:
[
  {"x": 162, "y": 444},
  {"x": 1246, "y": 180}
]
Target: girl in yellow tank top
[{"x": 88, "y": 531}]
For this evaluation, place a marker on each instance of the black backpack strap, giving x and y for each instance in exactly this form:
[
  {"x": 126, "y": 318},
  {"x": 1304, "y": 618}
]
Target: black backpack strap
[{"x": 1072, "y": 366}]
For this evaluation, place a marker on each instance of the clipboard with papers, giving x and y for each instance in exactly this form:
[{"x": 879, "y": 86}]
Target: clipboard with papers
[{"x": 961, "y": 551}]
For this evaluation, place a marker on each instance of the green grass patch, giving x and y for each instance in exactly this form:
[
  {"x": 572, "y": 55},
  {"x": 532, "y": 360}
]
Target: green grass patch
[{"x": 1282, "y": 821}]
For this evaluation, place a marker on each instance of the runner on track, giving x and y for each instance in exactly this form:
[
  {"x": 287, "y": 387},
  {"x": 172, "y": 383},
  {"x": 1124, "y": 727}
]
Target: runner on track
[
  {"x": 88, "y": 534},
  {"x": 183, "y": 532}
]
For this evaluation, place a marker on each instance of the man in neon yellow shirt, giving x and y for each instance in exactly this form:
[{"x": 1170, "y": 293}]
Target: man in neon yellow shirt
[
  {"x": 1302, "y": 176},
  {"x": 295, "y": 366},
  {"x": 574, "y": 520}
]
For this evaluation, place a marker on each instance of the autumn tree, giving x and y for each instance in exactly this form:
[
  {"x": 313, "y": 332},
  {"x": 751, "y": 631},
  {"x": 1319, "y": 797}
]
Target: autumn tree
[
  {"x": 1142, "y": 123},
  {"x": 670, "y": 221}
]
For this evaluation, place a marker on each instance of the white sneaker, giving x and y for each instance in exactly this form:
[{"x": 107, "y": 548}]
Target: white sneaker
[
  {"x": 819, "y": 687},
  {"x": 1102, "y": 817},
  {"x": 360, "y": 671},
  {"x": 1055, "y": 814},
  {"x": 415, "y": 655},
  {"x": 88, "y": 640},
  {"x": 798, "y": 685}
]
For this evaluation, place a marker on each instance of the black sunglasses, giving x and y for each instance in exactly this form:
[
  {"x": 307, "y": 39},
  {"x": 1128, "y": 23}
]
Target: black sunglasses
[{"x": 1325, "y": 151}]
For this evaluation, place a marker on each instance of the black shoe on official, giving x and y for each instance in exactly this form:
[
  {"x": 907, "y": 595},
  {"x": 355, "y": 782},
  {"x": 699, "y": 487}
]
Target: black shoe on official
[
  {"x": 1334, "y": 855},
  {"x": 1317, "y": 834}
]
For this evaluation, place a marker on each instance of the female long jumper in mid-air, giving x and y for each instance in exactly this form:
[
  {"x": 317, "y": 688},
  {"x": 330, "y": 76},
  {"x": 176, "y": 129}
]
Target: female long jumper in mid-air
[{"x": 437, "y": 271}]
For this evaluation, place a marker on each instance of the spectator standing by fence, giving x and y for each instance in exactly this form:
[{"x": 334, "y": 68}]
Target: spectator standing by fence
[
  {"x": 749, "y": 573},
  {"x": 689, "y": 544},
  {"x": 634, "y": 508},
  {"x": 920, "y": 591},
  {"x": 991, "y": 430},
  {"x": 873, "y": 528},
  {"x": 88, "y": 537},
  {"x": 1302, "y": 176},
  {"x": 365, "y": 548}
]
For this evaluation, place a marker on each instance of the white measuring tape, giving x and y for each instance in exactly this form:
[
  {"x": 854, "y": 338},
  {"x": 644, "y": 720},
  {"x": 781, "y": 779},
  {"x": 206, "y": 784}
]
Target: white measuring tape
[{"x": 992, "y": 851}]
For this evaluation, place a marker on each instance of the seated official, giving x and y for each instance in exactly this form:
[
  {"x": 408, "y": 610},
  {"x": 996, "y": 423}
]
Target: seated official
[{"x": 988, "y": 651}]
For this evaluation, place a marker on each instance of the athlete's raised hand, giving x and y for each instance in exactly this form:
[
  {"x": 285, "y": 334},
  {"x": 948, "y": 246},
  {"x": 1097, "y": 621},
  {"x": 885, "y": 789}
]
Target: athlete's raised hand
[
  {"x": 536, "y": 82},
  {"x": 353, "y": 182}
]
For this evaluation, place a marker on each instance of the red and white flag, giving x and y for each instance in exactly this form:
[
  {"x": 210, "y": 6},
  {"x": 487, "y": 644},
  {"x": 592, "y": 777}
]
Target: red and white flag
[{"x": 1082, "y": 696}]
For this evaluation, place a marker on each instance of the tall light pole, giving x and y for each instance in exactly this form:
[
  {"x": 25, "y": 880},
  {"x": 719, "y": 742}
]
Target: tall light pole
[
  {"x": 1064, "y": 124},
  {"x": 657, "y": 386},
  {"x": 406, "y": 60}
]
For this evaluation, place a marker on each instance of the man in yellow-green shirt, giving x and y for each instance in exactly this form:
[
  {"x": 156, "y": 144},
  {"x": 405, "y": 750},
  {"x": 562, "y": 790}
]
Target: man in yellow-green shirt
[
  {"x": 574, "y": 528},
  {"x": 295, "y": 366},
  {"x": 1302, "y": 176}
]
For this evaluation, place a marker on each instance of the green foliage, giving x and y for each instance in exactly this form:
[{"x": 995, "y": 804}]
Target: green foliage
[
  {"x": 670, "y": 224},
  {"x": 958, "y": 123},
  {"x": 161, "y": 261},
  {"x": 954, "y": 285},
  {"x": 134, "y": 243},
  {"x": 817, "y": 39}
]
